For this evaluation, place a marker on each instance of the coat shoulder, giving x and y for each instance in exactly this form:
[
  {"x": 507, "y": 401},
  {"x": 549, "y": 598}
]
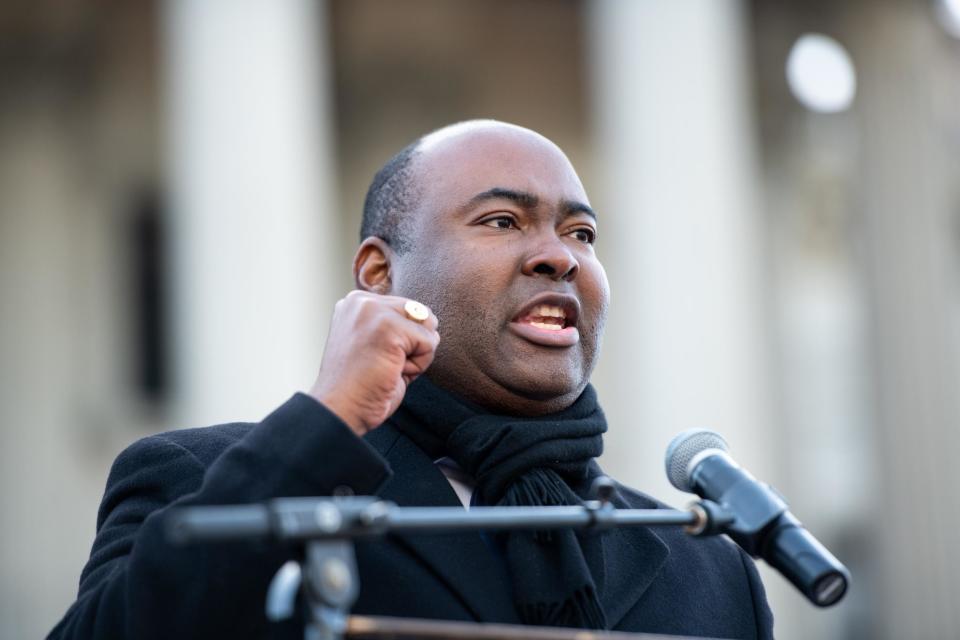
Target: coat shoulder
[
  {"x": 207, "y": 443},
  {"x": 204, "y": 444},
  {"x": 703, "y": 575}
]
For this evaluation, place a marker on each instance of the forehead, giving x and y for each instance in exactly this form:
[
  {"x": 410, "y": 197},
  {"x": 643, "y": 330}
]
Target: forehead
[{"x": 454, "y": 166}]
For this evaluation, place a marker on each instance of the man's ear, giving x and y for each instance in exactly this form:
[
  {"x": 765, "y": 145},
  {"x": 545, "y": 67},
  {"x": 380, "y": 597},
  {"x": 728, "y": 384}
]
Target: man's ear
[{"x": 371, "y": 266}]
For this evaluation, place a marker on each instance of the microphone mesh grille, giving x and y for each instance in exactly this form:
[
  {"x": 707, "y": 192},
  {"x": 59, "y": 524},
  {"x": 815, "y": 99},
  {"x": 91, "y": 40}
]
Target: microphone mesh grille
[{"x": 683, "y": 448}]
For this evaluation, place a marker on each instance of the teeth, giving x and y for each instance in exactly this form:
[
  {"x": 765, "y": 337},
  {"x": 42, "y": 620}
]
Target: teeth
[
  {"x": 544, "y": 325},
  {"x": 548, "y": 311}
]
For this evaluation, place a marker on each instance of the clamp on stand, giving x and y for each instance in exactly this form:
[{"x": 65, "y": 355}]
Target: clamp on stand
[
  {"x": 330, "y": 589},
  {"x": 331, "y": 582}
]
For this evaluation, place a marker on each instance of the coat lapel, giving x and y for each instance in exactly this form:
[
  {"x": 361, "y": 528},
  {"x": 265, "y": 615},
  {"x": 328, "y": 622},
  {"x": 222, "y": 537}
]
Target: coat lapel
[
  {"x": 626, "y": 561},
  {"x": 462, "y": 560}
]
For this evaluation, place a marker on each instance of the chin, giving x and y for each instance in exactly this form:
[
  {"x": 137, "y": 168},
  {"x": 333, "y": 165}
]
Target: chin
[{"x": 543, "y": 384}]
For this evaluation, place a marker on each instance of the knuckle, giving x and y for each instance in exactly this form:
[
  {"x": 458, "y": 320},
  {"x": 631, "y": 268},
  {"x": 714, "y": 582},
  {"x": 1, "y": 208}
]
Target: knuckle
[
  {"x": 367, "y": 306},
  {"x": 387, "y": 323}
]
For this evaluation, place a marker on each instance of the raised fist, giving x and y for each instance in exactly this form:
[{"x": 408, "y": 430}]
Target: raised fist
[{"x": 374, "y": 350}]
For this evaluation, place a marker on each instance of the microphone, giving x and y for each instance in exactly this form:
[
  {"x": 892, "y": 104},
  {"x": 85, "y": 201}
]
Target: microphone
[{"x": 697, "y": 462}]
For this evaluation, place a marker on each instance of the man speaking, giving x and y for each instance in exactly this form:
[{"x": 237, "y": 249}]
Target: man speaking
[{"x": 456, "y": 373}]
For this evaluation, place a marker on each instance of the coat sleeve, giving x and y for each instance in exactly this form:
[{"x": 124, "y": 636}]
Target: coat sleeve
[
  {"x": 762, "y": 614},
  {"x": 136, "y": 585}
]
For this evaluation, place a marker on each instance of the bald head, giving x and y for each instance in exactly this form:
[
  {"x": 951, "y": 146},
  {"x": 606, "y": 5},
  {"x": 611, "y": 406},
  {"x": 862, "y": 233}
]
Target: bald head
[
  {"x": 395, "y": 189},
  {"x": 472, "y": 130}
]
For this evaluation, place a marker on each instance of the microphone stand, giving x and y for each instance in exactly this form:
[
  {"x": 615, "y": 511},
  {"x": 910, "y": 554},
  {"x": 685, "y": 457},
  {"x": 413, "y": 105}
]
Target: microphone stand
[{"x": 327, "y": 526}]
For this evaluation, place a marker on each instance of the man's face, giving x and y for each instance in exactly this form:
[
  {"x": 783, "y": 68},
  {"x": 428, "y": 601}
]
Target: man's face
[{"x": 502, "y": 251}]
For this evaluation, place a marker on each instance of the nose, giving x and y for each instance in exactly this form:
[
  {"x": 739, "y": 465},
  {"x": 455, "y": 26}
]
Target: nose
[{"x": 552, "y": 259}]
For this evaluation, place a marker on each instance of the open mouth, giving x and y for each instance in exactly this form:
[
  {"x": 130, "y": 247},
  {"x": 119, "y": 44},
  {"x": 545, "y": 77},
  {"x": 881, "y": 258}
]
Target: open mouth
[
  {"x": 549, "y": 320},
  {"x": 548, "y": 317}
]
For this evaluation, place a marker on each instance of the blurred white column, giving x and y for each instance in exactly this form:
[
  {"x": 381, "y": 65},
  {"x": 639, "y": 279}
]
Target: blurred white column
[
  {"x": 248, "y": 135},
  {"x": 907, "y": 111},
  {"x": 673, "y": 131}
]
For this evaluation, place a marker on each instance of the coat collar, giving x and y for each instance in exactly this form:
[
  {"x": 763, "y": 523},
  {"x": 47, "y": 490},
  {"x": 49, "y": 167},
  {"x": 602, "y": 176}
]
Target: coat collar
[{"x": 628, "y": 560}]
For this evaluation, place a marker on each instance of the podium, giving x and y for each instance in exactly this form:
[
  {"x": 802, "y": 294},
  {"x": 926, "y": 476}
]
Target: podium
[{"x": 383, "y": 628}]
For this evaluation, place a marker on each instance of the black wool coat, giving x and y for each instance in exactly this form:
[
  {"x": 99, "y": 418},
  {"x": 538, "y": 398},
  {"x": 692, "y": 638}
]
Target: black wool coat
[{"x": 137, "y": 585}]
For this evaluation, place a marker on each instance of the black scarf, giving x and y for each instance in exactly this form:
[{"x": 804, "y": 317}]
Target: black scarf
[{"x": 521, "y": 462}]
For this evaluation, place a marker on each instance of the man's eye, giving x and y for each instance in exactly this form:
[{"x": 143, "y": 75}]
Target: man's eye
[
  {"x": 501, "y": 222},
  {"x": 587, "y": 236}
]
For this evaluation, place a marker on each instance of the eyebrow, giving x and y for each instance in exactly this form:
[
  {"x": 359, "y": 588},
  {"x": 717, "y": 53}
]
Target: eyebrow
[{"x": 528, "y": 200}]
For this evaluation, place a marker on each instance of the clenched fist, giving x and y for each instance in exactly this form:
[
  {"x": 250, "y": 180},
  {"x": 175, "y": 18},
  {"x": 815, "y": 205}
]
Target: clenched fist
[{"x": 374, "y": 350}]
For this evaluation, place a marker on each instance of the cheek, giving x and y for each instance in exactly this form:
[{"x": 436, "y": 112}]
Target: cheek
[
  {"x": 468, "y": 310},
  {"x": 605, "y": 303},
  {"x": 595, "y": 290},
  {"x": 466, "y": 285},
  {"x": 452, "y": 287}
]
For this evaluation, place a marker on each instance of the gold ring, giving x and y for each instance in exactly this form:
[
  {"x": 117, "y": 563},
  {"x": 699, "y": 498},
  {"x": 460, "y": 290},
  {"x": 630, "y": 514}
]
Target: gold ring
[{"x": 416, "y": 311}]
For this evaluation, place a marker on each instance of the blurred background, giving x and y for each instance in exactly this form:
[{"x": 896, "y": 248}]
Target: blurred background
[{"x": 180, "y": 191}]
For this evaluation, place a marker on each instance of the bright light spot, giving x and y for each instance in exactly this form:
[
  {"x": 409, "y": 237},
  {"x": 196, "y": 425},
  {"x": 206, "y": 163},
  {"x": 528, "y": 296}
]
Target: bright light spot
[
  {"x": 948, "y": 12},
  {"x": 820, "y": 74}
]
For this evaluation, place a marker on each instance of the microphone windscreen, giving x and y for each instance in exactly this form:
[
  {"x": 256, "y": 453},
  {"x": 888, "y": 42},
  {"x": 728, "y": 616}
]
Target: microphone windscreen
[{"x": 683, "y": 448}]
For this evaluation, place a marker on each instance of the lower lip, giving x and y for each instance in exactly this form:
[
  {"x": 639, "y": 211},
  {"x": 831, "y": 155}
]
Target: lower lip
[{"x": 566, "y": 337}]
